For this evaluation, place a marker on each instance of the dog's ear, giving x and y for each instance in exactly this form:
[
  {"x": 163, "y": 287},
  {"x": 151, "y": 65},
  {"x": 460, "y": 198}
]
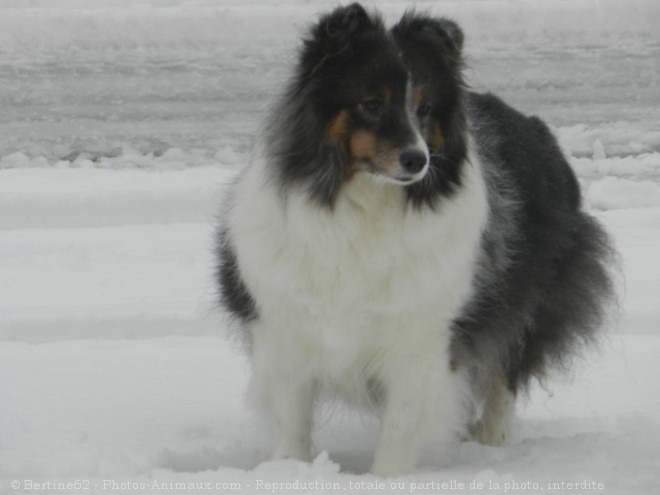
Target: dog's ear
[
  {"x": 419, "y": 28},
  {"x": 334, "y": 34},
  {"x": 449, "y": 31},
  {"x": 343, "y": 22}
]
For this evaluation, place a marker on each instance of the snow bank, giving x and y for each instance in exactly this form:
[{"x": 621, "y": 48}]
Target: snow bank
[
  {"x": 619, "y": 182},
  {"x": 73, "y": 198},
  {"x": 646, "y": 165},
  {"x": 616, "y": 193},
  {"x": 608, "y": 139},
  {"x": 117, "y": 282}
]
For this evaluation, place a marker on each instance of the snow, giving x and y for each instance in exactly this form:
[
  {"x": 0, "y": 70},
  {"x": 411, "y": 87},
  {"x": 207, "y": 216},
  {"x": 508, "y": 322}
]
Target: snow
[{"x": 122, "y": 122}]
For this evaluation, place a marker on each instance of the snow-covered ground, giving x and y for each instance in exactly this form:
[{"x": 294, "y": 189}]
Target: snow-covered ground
[{"x": 121, "y": 122}]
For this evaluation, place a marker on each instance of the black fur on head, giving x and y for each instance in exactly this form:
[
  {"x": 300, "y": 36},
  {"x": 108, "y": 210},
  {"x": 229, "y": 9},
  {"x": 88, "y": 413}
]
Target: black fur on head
[
  {"x": 347, "y": 58},
  {"x": 431, "y": 49},
  {"x": 332, "y": 36}
]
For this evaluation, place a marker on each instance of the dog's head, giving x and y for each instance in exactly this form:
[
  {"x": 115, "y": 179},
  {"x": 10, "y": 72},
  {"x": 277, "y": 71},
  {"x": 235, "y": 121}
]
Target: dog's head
[{"x": 350, "y": 108}]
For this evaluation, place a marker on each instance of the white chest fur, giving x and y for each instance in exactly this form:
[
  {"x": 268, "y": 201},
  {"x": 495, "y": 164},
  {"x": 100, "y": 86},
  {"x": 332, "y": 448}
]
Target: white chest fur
[{"x": 360, "y": 276}]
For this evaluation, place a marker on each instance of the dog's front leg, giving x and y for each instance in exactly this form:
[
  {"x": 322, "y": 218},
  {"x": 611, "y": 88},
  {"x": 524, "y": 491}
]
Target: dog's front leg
[
  {"x": 285, "y": 395},
  {"x": 292, "y": 412},
  {"x": 423, "y": 404}
]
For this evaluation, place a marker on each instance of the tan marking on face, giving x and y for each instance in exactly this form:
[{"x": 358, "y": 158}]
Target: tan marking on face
[
  {"x": 437, "y": 139},
  {"x": 364, "y": 146},
  {"x": 335, "y": 131}
]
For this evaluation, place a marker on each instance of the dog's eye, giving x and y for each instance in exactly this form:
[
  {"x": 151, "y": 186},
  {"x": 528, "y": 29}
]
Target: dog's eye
[
  {"x": 372, "y": 107},
  {"x": 424, "y": 109}
]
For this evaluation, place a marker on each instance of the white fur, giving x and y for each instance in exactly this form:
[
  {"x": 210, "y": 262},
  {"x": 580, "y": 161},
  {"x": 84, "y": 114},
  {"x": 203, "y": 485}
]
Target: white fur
[{"x": 362, "y": 293}]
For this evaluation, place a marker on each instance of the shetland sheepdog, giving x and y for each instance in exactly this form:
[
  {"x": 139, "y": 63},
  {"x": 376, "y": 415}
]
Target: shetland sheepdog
[{"x": 405, "y": 245}]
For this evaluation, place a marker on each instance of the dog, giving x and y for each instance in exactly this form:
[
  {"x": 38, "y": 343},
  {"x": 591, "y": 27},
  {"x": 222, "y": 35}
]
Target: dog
[{"x": 405, "y": 245}]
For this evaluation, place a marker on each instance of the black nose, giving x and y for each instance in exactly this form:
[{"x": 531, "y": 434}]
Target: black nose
[{"x": 412, "y": 161}]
